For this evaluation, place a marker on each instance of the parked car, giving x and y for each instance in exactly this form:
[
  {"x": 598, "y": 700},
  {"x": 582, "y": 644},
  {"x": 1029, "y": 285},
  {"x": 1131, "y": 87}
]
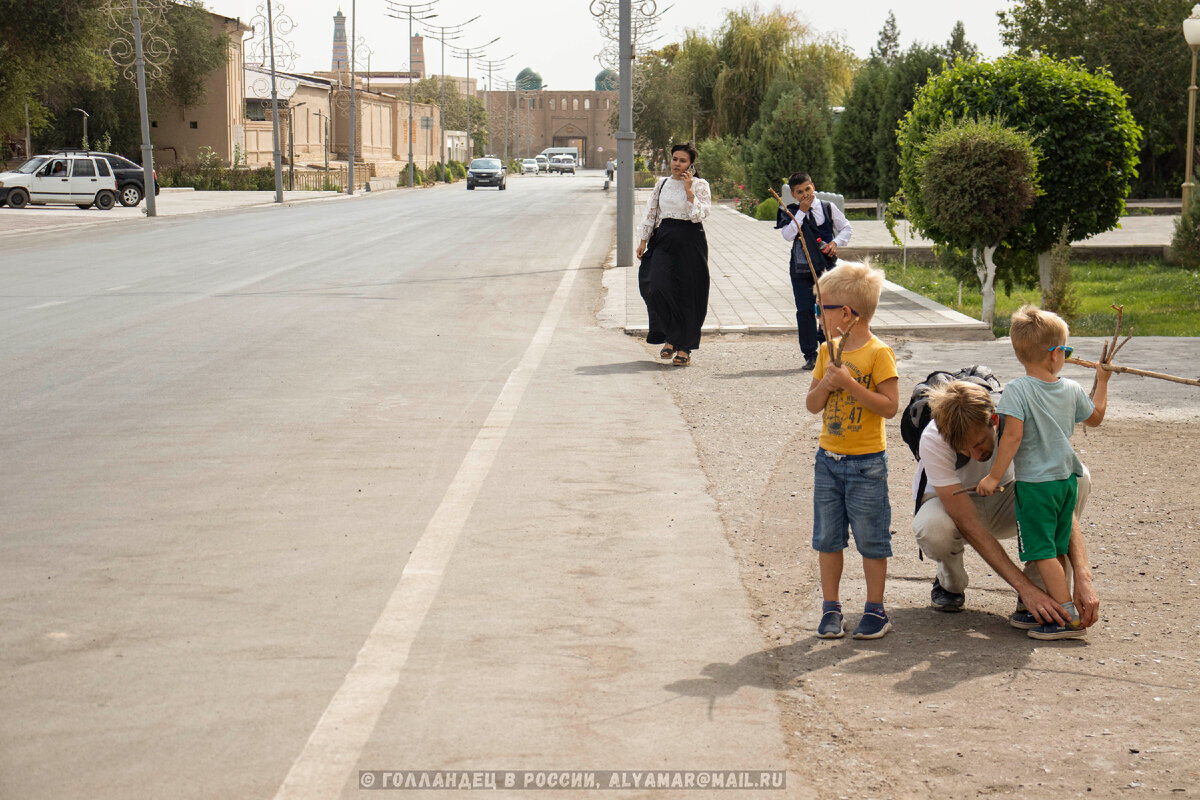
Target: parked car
[
  {"x": 131, "y": 183},
  {"x": 561, "y": 164},
  {"x": 487, "y": 172},
  {"x": 543, "y": 163},
  {"x": 529, "y": 165},
  {"x": 78, "y": 178}
]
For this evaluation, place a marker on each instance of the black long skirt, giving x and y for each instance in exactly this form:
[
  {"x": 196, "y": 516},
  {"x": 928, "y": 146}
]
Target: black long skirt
[{"x": 674, "y": 284}]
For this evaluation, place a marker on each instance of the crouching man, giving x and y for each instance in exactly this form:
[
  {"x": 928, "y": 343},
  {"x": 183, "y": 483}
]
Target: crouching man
[{"x": 956, "y": 452}]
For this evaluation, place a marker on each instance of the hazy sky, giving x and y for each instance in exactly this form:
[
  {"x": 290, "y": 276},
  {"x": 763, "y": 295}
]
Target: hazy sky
[{"x": 560, "y": 39}]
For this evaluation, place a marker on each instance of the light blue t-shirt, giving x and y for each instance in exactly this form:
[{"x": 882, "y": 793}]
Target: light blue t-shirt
[{"x": 1049, "y": 412}]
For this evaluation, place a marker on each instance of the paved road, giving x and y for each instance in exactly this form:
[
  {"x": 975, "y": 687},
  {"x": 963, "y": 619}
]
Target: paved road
[{"x": 288, "y": 493}]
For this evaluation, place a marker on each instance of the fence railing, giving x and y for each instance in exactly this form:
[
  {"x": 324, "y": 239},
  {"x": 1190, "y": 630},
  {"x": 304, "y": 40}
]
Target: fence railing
[{"x": 307, "y": 180}]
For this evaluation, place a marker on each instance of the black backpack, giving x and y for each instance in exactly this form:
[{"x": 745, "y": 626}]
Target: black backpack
[{"x": 917, "y": 415}]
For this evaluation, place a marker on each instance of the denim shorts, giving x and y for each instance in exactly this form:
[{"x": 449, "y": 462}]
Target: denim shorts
[{"x": 850, "y": 493}]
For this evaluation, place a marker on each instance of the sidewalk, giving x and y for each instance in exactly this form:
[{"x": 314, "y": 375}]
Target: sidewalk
[{"x": 751, "y": 292}]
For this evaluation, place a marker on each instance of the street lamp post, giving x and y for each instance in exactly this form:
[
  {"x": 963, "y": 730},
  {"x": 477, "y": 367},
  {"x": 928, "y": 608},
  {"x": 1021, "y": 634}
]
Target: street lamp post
[
  {"x": 292, "y": 145},
  {"x": 467, "y": 51},
  {"x": 447, "y": 33},
  {"x": 492, "y": 64},
  {"x": 419, "y": 11},
  {"x": 323, "y": 124},
  {"x": 87, "y": 145},
  {"x": 1191, "y": 33}
]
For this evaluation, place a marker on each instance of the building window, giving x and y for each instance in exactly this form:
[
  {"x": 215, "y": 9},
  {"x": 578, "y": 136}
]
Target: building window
[
  {"x": 575, "y": 104},
  {"x": 552, "y": 104},
  {"x": 193, "y": 125},
  {"x": 154, "y": 123},
  {"x": 587, "y": 104},
  {"x": 607, "y": 103}
]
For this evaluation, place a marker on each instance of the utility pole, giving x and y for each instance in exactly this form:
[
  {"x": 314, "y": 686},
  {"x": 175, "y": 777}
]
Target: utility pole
[
  {"x": 460, "y": 53},
  {"x": 625, "y": 140},
  {"x": 446, "y": 33},
  {"x": 491, "y": 64},
  {"x": 353, "y": 128},
  {"x": 422, "y": 12}
]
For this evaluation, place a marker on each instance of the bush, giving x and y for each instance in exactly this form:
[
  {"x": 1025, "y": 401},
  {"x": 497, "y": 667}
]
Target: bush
[
  {"x": 720, "y": 160},
  {"x": 767, "y": 210},
  {"x": 457, "y": 170},
  {"x": 1185, "y": 244},
  {"x": 639, "y": 164},
  {"x": 644, "y": 180},
  {"x": 431, "y": 174},
  {"x": 796, "y": 138}
]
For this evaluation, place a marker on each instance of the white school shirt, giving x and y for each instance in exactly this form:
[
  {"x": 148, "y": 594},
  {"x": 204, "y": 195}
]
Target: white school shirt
[{"x": 841, "y": 226}]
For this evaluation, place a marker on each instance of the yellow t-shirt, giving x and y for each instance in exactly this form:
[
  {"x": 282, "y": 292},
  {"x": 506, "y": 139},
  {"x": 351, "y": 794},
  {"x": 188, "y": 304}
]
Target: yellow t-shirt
[{"x": 849, "y": 428}]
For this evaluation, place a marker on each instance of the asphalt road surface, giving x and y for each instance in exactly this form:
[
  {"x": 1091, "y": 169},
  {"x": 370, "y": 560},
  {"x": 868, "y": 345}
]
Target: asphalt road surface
[{"x": 291, "y": 493}]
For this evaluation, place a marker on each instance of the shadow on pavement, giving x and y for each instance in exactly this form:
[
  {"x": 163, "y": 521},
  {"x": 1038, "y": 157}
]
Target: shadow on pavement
[{"x": 622, "y": 368}]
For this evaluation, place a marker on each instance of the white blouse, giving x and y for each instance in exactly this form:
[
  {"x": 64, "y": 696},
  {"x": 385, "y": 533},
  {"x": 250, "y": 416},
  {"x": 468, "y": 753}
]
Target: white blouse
[{"x": 674, "y": 204}]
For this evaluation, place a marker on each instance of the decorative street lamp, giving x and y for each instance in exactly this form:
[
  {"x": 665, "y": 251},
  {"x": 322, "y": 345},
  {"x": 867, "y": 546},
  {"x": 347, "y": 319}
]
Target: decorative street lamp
[
  {"x": 446, "y": 33},
  {"x": 462, "y": 52},
  {"x": 1191, "y": 32}
]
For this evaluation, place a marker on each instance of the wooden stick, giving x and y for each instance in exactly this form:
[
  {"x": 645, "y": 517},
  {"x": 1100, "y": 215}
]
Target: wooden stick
[
  {"x": 816, "y": 282},
  {"x": 1140, "y": 372},
  {"x": 1112, "y": 348},
  {"x": 845, "y": 335},
  {"x": 973, "y": 488}
]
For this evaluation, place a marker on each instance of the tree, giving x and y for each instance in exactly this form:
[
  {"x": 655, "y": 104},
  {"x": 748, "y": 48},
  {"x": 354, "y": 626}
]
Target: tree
[
  {"x": 796, "y": 138},
  {"x": 909, "y": 73},
  {"x": 663, "y": 109},
  {"x": 887, "y": 47},
  {"x": 1139, "y": 43},
  {"x": 977, "y": 179},
  {"x": 854, "y": 151},
  {"x": 958, "y": 46},
  {"x": 430, "y": 91},
  {"x": 1087, "y": 138},
  {"x": 753, "y": 47}
]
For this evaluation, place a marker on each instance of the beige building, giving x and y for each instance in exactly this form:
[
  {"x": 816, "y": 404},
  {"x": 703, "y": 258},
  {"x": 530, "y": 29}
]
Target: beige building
[{"x": 529, "y": 121}]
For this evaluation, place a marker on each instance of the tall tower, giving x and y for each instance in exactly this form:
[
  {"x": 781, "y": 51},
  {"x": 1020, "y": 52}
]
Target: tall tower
[
  {"x": 341, "y": 52},
  {"x": 418, "y": 57}
]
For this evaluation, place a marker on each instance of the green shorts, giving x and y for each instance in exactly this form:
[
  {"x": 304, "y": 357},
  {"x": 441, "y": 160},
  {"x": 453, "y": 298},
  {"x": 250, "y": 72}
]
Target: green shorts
[{"x": 1044, "y": 515}]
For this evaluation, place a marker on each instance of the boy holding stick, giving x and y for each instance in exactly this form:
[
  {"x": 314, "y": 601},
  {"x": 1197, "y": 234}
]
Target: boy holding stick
[{"x": 1042, "y": 410}]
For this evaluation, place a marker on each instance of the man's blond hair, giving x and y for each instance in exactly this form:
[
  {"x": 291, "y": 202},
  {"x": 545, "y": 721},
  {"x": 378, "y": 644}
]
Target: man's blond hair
[
  {"x": 858, "y": 284},
  {"x": 1034, "y": 332},
  {"x": 960, "y": 408}
]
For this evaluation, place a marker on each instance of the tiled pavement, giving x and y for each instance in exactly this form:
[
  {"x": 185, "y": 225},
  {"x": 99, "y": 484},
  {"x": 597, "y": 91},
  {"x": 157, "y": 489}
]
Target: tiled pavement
[{"x": 751, "y": 292}]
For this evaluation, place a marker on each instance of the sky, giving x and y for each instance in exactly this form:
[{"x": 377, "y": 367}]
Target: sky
[{"x": 559, "y": 39}]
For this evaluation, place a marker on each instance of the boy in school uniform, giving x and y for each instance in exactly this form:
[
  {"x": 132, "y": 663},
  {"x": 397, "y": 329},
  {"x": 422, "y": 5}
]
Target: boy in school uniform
[{"x": 850, "y": 491}]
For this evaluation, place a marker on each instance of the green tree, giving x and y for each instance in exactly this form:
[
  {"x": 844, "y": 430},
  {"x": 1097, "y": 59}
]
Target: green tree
[
  {"x": 958, "y": 46},
  {"x": 430, "y": 91},
  {"x": 1087, "y": 138},
  {"x": 663, "y": 109},
  {"x": 977, "y": 178},
  {"x": 796, "y": 138},
  {"x": 887, "y": 47},
  {"x": 698, "y": 62},
  {"x": 854, "y": 154},
  {"x": 1140, "y": 43},
  {"x": 909, "y": 73},
  {"x": 753, "y": 47},
  {"x": 720, "y": 159}
]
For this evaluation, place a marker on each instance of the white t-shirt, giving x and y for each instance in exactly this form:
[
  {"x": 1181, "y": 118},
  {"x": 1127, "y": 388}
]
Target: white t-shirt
[{"x": 938, "y": 460}]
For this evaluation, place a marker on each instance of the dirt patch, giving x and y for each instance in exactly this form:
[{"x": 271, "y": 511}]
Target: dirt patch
[{"x": 960, "y": 705}]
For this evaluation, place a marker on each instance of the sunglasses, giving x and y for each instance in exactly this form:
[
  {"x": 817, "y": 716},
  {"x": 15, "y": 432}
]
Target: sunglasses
[
  {"x": 1066, "y": 348},
  {"x": 839, "y": 308}
]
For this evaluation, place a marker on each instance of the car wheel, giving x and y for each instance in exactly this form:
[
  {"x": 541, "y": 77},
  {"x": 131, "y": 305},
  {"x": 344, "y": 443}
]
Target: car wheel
[
  {"x": 130, "y": 195},
  {"x": 105, "y": 200},
  {"x": 470, "y": 186},
  {"x": 503, "y": 186},
  {"x": 84, "y": 206},
  {"x": 18, "y": 198}
]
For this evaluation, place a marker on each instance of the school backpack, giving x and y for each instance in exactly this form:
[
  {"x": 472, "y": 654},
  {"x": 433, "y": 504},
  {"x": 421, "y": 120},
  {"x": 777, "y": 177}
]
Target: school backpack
[{"x": 916, "y": 414}]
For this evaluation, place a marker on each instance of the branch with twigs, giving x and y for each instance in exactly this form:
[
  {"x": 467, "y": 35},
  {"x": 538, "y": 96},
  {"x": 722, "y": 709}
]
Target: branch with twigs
[
  {"x": 1110, "y": 349},
  {"x": 842, "y": 344},
  {"x": 836, "y": 358}
]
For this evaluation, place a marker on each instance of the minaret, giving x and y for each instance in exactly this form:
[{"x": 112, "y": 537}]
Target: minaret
[
  {"x": 418, "y": 57},
  {"x": 341, "y": 52}
]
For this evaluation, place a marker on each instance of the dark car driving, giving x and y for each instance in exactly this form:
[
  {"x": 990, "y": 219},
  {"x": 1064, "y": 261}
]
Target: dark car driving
[
  {"x": 131, "y": 184},
  {"x": 487, "y": 172}
]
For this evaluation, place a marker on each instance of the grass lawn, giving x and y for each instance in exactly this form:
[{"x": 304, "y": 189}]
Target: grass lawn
[{"x": 1159, "y": 300}]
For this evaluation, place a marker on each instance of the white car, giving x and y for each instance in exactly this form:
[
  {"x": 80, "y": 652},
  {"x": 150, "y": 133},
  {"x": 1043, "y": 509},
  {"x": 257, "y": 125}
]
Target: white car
[
  {"x": 543, "y": 163},
  {"x": 561, "y": 164},
  {"x": 529, "y": 165},
  {"x": 82, "y": 179}
]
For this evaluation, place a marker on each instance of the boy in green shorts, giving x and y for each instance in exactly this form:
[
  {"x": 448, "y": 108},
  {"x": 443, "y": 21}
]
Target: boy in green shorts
[{"x": 1042, "y": 410}]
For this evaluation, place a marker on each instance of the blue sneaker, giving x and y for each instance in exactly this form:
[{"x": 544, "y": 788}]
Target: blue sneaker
[
  {"x": 1052, "y": 630},
  {"x": 832, "y": 626},
  {"x": 873, "y": 625},
  {"x": 1023, "y": 620}
]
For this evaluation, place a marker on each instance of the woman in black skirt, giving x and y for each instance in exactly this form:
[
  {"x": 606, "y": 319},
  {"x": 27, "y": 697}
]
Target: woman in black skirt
[{"x": 674, "y": 275}]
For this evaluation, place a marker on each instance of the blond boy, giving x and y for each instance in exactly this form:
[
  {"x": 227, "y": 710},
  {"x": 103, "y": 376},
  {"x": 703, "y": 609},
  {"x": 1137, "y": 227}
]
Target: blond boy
[
  {"x": 850, "y": 490},
  {"x": 1042, "y": 410}
]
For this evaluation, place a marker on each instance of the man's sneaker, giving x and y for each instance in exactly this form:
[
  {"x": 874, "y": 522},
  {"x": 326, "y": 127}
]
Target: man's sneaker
[
  {"x": 944, "y": 600},
  {"x": 1023, "y": 620},
  {"x": 1052, "y": 630},
  {"x": 873, "y": 625},
  {"x": 832, "y": 626},
  {"x": 809, "y": 364}
]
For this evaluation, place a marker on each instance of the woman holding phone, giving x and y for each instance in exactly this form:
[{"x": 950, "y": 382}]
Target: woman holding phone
[{"x": 675, "y": 258}]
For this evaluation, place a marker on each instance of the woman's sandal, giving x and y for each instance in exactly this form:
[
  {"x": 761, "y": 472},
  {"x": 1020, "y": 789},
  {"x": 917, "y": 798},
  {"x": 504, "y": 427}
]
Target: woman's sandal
[
  {"x": 682, "y": 358},
  {"x": 666, "y": 352}
]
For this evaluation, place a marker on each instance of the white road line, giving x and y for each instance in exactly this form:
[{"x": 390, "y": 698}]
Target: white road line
[
  {"x": 322, "y": 769},
  {"x": 50, "y": 304}
]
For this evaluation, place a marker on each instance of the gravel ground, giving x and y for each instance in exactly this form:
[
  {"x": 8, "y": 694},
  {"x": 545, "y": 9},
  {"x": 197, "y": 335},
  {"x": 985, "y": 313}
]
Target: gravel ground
[{"x": 962, "y": 705}]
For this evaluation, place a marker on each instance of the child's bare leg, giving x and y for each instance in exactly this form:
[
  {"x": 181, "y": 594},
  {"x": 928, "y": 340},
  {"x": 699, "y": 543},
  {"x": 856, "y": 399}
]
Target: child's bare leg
[
  {"x": 1055, "y": 578},
  {"x": 875, "y": 570},
  {"x": 831, "y": 574}
]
